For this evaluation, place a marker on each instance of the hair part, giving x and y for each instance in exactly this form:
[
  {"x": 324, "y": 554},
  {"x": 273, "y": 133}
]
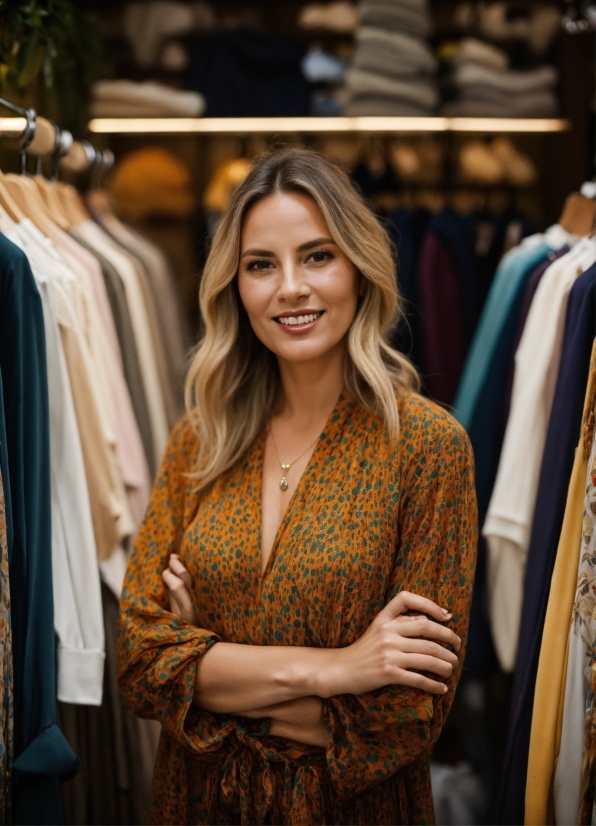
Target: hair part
[{"x": 233, "y": 380}]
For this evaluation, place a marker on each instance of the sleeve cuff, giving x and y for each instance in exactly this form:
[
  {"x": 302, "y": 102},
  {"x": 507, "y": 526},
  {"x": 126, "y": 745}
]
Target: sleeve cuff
[{"x": 80, "y": 676}]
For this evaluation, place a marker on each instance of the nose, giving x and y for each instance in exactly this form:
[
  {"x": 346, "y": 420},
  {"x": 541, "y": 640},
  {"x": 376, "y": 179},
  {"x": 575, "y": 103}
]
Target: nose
[{"x": 293, "y": 283}]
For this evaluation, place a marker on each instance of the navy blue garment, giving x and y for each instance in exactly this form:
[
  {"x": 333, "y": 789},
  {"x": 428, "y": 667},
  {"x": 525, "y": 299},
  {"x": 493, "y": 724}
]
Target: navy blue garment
[
  {"x": 40, "y": 750},
  {"x": 555, "y": 474},
  {"x": 406, "y": 229},
  {"x": 249, "y": 74},
  {"x": 458, "y": 233}
]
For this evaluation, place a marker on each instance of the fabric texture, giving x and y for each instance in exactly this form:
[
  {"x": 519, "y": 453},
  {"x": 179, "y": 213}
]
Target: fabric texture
[
  {"x": 77, "y": 602},
  {"x": 6, "y": 688},
  {"x": 335, "y": 563},
  {"x": 550, "y": 679},
  {"x": 41, "y": 752},
  {"x": 509, "y": 519}
]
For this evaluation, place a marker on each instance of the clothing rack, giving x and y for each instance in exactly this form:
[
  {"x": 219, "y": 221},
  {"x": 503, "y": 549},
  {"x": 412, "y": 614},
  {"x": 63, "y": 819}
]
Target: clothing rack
[{"x": 41, "y": 138}]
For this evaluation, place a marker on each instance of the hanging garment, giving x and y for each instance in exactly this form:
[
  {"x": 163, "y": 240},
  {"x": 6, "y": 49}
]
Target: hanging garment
[
  {"x": 559, "y": 451},
  {"x": 6, "y": 695},
  {"x": 443, "y": 324},
  {"x": 95, "y": 236},
  {"x": 555, "y": 473},
  {"x": 41, "y": 752},
  {"x": 504, "y": 293},
  {"x": 509, "y": 519},
  {"x": 77, "y": 602},
  {"x": 216, "y": 758},
  {"x": 116, "y": 749},
  {"x": 173, "y": 325},
  {"x": 550, "y": 680},
  {"x": 128, "y": 349},
  {"x": 130, "y": 455}
]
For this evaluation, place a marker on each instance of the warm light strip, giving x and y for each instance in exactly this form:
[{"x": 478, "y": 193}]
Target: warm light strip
[
  {"x": 312, "y": 125},
  {"x": 508, "y": 125},
  {"x": 12, "y": 127}
]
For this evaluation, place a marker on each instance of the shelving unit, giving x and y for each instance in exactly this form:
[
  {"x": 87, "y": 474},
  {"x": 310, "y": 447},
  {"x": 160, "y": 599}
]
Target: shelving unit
[{"x": 338, "y": 125}]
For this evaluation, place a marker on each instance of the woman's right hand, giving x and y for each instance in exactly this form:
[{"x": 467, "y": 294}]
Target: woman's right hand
[{"x": 396, "y": 647}]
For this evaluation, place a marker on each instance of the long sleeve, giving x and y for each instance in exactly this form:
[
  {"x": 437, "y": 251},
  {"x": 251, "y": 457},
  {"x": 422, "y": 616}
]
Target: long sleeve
[
  {"x": 376, "y": 734},
  {"x": 159, "y": 653}
]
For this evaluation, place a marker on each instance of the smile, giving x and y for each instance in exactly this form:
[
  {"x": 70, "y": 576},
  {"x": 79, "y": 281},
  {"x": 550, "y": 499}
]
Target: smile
[{"x": 299, "y": 321}]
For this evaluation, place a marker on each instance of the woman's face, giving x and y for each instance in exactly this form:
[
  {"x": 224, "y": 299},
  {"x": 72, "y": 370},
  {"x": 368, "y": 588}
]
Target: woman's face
[{"x": 299, "y": 289}]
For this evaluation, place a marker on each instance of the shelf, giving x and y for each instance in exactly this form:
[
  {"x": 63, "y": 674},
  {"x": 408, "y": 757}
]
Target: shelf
[{"x": 387, "y": 125}]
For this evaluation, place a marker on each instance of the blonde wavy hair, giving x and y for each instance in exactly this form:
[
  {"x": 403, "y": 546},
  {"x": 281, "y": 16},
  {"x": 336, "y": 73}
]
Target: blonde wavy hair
[{"x": 233, "y": 379}]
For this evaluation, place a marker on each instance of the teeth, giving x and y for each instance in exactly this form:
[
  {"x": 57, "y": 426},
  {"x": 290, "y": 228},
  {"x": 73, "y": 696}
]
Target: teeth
[{"x": 294, "y": 321}]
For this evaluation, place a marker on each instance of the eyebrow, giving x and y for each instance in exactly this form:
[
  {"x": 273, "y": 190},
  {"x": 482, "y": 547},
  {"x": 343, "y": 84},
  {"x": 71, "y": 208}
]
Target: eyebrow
[{"x": 308, "y": 245}]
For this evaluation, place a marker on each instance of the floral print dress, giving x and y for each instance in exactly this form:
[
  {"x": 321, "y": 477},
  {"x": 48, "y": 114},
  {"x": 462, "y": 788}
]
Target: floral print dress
[{"x": 369, "y": 518}]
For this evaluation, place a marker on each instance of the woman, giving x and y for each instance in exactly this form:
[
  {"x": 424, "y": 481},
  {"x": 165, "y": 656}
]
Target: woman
[{"x": 267, "y": 620}]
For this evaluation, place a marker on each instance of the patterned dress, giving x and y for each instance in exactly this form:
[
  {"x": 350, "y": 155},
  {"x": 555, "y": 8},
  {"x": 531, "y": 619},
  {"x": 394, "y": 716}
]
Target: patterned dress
[{"x": 369, "y": 518}]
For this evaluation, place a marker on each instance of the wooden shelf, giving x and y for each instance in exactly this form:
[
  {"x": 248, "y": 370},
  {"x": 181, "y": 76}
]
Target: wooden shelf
[{"x": 336, "y": 125}]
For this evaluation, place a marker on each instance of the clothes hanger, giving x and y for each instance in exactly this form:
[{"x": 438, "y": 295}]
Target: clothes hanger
[
  {"x": 79, "y": 158},
  {"x": 47, "y": 189},
  {"x": 579, "y": 214}
]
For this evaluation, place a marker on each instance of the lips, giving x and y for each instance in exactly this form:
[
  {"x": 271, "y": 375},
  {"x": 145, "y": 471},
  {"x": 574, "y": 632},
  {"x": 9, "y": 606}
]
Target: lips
[{"x": 299, "y": 320}]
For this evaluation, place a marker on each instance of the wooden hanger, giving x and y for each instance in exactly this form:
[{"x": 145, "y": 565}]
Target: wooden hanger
[
  {"x": 29, "y": 200},
  {"x": 49, "y": 196},
  {"x": 72, "y": 203},
  {"x": 9, "y": 203},
  {"x": 579, "y": 214}
]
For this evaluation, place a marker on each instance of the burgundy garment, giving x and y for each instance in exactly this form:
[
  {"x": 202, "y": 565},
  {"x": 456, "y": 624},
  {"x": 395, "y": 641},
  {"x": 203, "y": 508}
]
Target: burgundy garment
[
  {"x": 443, "y": 323},
  {"x": 529, "y": 294}
]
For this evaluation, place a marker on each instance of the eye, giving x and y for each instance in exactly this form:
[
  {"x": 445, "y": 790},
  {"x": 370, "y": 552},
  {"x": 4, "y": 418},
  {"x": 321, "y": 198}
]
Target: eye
[
  {"x": 259, "y": 265},
  {"x": 320, "y": 256}
]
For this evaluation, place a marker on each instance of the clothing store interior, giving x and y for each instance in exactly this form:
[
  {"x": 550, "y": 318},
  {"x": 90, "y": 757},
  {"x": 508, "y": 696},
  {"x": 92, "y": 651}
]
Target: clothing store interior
[{"x": 469, "y": 128}]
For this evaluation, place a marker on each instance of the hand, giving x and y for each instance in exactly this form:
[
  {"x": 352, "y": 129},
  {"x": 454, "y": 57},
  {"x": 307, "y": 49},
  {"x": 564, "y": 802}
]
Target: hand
[
  {"x": 394, "y": 649},
  {"x": 177, "y": 581},
  {"x": 301, "y": 720}
]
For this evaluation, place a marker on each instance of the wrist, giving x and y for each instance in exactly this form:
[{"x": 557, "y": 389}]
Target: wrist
[{"x": 332, "y": 678}]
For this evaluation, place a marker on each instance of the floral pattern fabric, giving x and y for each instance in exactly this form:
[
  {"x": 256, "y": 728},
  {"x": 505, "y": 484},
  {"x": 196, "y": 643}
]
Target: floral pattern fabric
[
  {"x": 369, "y": 518},
  {"x": 6, "y": 689},
  {"x": 584, "y": 622}
]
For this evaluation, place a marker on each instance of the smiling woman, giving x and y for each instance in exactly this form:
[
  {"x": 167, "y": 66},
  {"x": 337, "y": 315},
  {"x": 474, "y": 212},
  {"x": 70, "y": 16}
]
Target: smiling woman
[{"x": 298, "y": 595}]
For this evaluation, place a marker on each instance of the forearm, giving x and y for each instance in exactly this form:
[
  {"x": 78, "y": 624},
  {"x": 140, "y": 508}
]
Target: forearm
[{"x": 232, "y": 679}]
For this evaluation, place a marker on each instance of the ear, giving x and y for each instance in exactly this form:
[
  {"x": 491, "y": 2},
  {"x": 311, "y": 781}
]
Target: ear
[{"x": 362, "y": 285}]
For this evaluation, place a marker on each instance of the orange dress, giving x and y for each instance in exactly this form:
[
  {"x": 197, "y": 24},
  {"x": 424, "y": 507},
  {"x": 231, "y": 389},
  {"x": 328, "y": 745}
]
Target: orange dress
[{"x": 369, "y": 518}]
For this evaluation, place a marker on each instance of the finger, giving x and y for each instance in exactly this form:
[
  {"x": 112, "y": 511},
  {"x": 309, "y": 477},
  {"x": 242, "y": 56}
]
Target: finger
[
  {"x": 178, "y": 568},
  {"x": 422, "y": 662},
  {"x": 180, "y": 593},
  {"x": 431, "y": 649},
  {"x": 430, "y": 630},
  {"x": 405, "y": 601},
  {"x": 414, "y": 680}
]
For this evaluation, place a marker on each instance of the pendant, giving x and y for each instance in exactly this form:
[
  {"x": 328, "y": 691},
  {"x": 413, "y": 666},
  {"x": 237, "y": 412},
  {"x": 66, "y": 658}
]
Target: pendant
[{"x": 284, "y": 482}]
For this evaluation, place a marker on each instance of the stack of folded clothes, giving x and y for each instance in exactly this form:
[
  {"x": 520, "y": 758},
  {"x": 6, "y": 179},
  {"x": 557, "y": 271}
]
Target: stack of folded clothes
[
  {"x": 127, "y": 99},
  {"x": 486, "y": 91},
  {"x": 393, "y": 68}
]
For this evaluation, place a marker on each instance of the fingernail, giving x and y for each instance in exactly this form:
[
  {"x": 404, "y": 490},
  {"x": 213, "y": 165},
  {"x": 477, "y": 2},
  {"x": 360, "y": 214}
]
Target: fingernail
[{"x": 444, "y": 689}]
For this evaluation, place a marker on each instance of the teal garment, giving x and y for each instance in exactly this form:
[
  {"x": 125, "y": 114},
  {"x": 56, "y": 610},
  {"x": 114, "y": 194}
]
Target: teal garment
[
  {"x": 40, "y": 750},
  {"x": 503, "y": 294}
]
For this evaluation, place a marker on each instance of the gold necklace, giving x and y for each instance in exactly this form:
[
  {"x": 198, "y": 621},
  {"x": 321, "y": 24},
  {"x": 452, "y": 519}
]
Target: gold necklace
[{"x": 285, "y": 466}]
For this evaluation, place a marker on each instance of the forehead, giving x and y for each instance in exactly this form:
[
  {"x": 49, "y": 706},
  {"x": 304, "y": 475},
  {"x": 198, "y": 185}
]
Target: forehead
[{"x": 283, "y": 218}]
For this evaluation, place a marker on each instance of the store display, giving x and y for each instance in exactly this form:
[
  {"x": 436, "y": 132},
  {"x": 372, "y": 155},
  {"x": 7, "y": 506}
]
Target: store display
[
  {"x": 392, "y": 70},
  {"x": 500, "y": 322},
  {"x": 126, "y": 99}
]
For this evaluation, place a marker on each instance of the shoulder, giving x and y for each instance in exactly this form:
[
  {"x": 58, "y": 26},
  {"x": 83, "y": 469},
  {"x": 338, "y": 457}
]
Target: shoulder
[
  {"x": 182, "y": 446},
  {"x": 426, "y": 427}
]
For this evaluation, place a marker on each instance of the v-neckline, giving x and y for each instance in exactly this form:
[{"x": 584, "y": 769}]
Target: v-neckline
[{"x": 330, "y": 428}]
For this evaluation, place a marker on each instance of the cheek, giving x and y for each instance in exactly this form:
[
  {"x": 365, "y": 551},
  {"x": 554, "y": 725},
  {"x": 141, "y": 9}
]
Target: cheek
[{"x": 254, "y": 296}]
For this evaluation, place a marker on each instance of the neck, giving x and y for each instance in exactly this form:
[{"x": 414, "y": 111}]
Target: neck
[{"x": 309, "y": 390}]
